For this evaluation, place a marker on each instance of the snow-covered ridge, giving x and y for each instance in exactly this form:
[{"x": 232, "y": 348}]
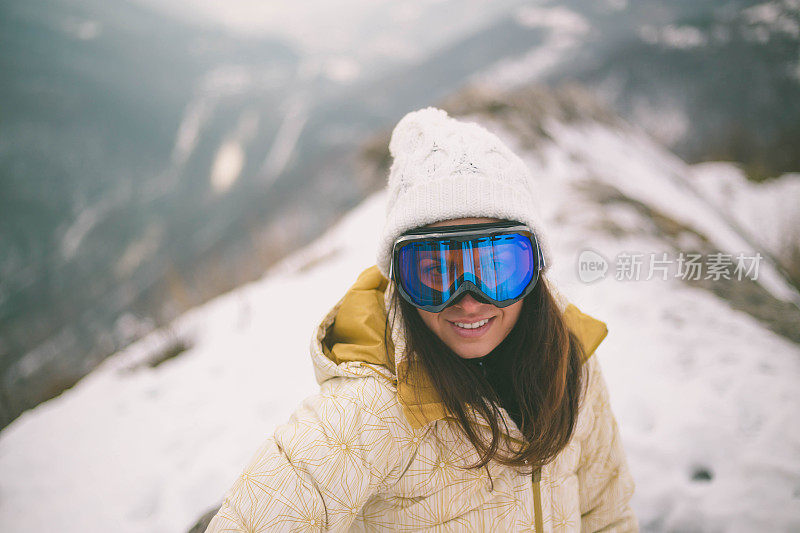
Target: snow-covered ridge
[
  {"x": 767, "y": 212},
  {"x": 663, "y": 181}
]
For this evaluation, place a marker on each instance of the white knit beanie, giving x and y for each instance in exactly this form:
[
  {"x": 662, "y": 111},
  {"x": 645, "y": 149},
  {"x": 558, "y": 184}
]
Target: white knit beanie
[{"x": 445, "y": 169}]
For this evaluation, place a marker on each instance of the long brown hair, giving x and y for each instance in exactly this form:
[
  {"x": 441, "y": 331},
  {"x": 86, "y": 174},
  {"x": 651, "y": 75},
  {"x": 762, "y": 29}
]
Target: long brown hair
[{"x": 547, "y": 380}]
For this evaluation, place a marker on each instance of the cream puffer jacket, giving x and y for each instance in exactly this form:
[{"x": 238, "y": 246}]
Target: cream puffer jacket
[{"x": 362, "y": 456}]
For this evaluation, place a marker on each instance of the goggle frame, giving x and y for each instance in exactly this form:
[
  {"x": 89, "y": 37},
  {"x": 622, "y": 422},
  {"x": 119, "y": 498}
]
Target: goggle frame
[{"x": 463, "y": 233}]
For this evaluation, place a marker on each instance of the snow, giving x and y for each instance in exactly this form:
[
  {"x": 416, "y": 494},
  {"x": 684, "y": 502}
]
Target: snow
[
  {"x": 566, "y": 30},
  {"x": 670, "y": 36},
  {"x": 555, "y": 18},
  {"x": 534, "y": 64},
  {"x": 231, "y": 155},
  {"x": 667, "y": 122},
  {"x": 85, "y": 30},
  {"x": 80, "y": 228},
  {"x": 195, "y": 115},
  {"x": 342, "y": 69},
  {"x": 695, "y": 385},
  {"x": 283, "y": 146},
  {"x": 369, "y": 31},
  {"x": 643, "y": 171},
  {"x": 775, "y": 17},
  {"x": 616, "y": 5},
  {"x": 227, "y": 166},
  {"x": 767, "y": 212},
  {"x": 139, "y": 250}
]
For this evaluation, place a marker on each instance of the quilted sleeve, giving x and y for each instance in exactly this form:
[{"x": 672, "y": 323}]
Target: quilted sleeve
[
  {"x": 605, "y": 483},
  {"x": 319, "y": 469}
]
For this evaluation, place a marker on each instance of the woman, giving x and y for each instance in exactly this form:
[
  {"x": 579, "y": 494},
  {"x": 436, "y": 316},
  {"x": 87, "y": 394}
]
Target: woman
[{"x": 460, "y": 395}]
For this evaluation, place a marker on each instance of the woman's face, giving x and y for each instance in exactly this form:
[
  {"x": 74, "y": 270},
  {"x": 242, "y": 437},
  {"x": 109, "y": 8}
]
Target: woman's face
[{"x": 476, "y": 342}]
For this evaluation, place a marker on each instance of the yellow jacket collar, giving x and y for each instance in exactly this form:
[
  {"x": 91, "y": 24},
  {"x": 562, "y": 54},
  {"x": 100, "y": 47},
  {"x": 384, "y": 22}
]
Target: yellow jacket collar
[{"x": 352, "y": 341}]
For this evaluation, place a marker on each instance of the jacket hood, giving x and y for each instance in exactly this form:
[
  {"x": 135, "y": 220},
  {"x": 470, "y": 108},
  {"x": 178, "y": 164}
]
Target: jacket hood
[{"x": 349, "y": 342}]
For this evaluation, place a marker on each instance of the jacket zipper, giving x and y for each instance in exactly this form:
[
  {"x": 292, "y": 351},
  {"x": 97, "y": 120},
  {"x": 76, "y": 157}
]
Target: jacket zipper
[
  {"x": 537, "y": 501},
  {"x": 536, "y": 478}
]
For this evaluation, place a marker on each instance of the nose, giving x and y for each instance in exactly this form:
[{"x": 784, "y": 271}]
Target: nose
[{"x": 468, "y": 304}]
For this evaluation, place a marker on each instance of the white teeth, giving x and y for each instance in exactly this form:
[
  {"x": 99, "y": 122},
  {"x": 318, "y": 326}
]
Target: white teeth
[{"x": 471, "y": 326}]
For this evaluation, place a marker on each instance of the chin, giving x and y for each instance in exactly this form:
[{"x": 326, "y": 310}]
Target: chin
[{"x": 471, "y": 352}]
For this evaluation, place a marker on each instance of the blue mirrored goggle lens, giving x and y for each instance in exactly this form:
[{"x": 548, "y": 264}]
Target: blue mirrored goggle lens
[{"x": 501, "y": 266}]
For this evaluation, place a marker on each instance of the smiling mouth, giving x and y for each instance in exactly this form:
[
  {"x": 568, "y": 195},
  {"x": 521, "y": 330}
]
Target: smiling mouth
[
  {"x": 472, "y": 329},
  {"x": 472, "y": 325}
]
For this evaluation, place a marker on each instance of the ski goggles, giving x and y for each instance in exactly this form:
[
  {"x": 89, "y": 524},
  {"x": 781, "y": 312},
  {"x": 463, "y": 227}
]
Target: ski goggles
[{"x": 497, "y": 263}]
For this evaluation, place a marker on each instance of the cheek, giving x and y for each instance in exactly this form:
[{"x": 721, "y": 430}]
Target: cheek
[
  {"x": 429, "y": 319},
  {"x": 511, "y": 317}
]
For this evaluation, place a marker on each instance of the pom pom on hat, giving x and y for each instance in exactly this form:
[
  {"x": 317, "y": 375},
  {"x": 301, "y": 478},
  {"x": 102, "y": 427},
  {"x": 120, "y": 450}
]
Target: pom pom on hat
[
  {"x": 445, "y": 169},
  {"x": 410, "y": 131}
]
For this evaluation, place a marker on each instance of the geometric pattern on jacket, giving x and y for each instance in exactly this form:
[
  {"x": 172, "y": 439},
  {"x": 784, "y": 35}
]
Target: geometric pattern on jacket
[{"x": 366, "y": 455}]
